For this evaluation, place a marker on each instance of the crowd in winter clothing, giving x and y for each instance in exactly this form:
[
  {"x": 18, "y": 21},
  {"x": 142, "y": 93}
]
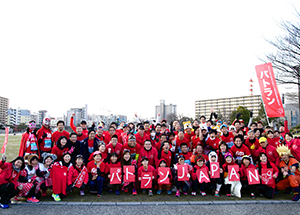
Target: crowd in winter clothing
[{"x": 199, "y": 157}]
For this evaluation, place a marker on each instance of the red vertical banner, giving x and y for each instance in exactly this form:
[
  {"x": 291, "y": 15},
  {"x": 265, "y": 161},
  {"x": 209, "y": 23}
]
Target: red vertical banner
[
  {"x": 253, "y": 176},
  {"x": 146, "y": 182},
  {"x": 233, "y": 173},
  {"x": 182, "y": 173},
  {"x": 214, "y": 170},
  {"x": 202, "y": 176},
  {"x": 267, "y": 176},
  {"x": 80, "y": 179},
  {"x": 164, "y": 173},
  {"x": 115, "y": 175},
  {"x": 5, "y": 140},
  {"x": 129, "y": 173},
  {"x": 269, "y": 91}
]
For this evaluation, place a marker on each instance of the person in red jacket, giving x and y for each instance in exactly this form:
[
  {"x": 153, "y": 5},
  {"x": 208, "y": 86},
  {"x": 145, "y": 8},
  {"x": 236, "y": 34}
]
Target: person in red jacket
[
  {"x": 133, "y": 147},
  {"x": 149, "y": 152},
  {"x": 114, "y": 146},
  {"x": 162, "y": 163},
  {"x": 182, "y": 185},
  {"x": 213, "y": 141},
  {"x": 227, "y": 136},
  {"x": 113, "y": 163},
  {"x": 111, "y": 132},
  {"x": 188, "y": 132},
  {"x": 44, "y": 136},
  {"x": 100, "y": 134},
  {"x": 61, "y": 147},
  {"x": 96, "y": 170},
  {"x": 9, "y": 179},
  {"x": 146, "y": 167},
  {"x": 164, "y": 153},
  {"x": 128, "y": 161},
  {"x": 269, "y": 150},
  {"x": 83, "y": 125},
  {"x": 239, "y": 149},
  {"x": 267, "y": 190},
  {"x": 294, "y": 145},
  {"x": 29, "y": 142},
  {"x": 60, "y": 132},
  {"x": 253, "y": 144},
  {"x": 284, "y": 129},
  {"x": 197, "y": 152},
  {"x": 181, "y": 139},
  {"x": 273, "y": 141},
  {"x": 200, "y": 164},
  {"x": 185, "y": 153},
  {"x": 197, "y": 138},
  {"x": 78, "y": 172},
  {"x": 141, "y": 136},
  {"x": 123, "y": 137},
  {"x": 162, "y": 139},
  {"x": 246, "y": 164}
]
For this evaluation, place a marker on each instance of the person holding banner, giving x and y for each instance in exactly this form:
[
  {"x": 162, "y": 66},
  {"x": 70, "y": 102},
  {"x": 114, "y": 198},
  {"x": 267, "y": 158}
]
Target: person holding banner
[
  {"x": 231, "y": 177},
  {"x": 182, "y": 172},
  {"x": 268, "y": 172},
  {"x": 96, "y": 170},
  {"x": 246, "y": 165},
  {"x": 113, "y": 163},
  {"x": 223, "y": 148},
  {"x": 164, "y": 177},
  {"x": 29, "y": 141},
  {"x": 200, "y": 177},
  {"x": 8, "y": 179},
  {"x": 290, "y": 169},
  {"x": 59, "y": 175},
  {"x": 146, "y": 176},
  {"x": 215, "y": 172},
  {"x": 78, "y": 176},
  {"x": 165, "y": 153},
  {"x": 129, "y": 162}
]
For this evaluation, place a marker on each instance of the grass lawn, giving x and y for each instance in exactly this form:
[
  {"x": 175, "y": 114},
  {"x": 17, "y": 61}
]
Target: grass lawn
[{"x": 12, "y": 151}]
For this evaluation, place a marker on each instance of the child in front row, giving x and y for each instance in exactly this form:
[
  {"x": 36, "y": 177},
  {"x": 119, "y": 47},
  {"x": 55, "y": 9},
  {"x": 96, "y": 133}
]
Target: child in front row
[{"x": 200, "y": 164}]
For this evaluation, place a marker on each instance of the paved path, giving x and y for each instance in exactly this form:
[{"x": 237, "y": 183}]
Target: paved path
[{"x": 168, "y": 208}]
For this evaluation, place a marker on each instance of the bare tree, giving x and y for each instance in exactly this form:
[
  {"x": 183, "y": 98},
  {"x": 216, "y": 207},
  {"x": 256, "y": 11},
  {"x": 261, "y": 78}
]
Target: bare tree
[{"x": 286, "y": 60}]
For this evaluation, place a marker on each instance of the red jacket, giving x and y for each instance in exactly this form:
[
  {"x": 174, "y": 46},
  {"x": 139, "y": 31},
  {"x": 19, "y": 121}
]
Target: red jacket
[
  {"x": 196, "y": 141},
  {"x": 275, "y": 171},
  {"x": 274, "y": 141},
  {"x": 189, "y": 136},
  {"x": 8, "y": 174},
  {"x": 167, "y": 157},
  {"x": 213, "y": 143},
  {"x": 23, "y": 146},
  {"x": 227, "y": 139},
  {"x": 85, "y": 132},
  {"x": 179, "y": 142},
  {"x": 243, "y": 171},
  {"x": 74, "y": 172},
  {"x": 59, "y": 152},
  {"x": 92, "y": 168},
  {"x": 294, "y": 146},
  {"x": 196, "y": 167},
  {"x": 256, "y": 146},
  {"x": 117, "y": 149},
  {"x": 110, "y": 165},
  {"x": 152, "y": 155},
  {"x": 140, "y": 140},
  {"x": 270, "y": 152},
  {"x": 150, "y": 169},
  {"x": 56, "y": 135},
  {"x": 46, "y": 143},
  {"x": 133, "y": 150},
  {"x": 239, "y": 152}
]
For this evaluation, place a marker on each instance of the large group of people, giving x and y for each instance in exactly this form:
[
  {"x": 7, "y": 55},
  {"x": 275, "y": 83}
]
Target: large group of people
[{"x": 196, "y": 157}]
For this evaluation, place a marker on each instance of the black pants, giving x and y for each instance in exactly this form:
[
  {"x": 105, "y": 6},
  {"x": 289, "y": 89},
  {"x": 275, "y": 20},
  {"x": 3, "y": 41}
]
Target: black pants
[
  {"x": 196, "y": 184},
  {"x": 7, "y": 191},
  {"x": 248, "y": 188},
  {"x": 268, "y": 192},
  {"x": 31, "y": 192}
]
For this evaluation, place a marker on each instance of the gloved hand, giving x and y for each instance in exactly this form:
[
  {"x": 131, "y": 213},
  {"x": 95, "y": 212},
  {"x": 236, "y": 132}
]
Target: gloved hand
[
  {"x": 169, "y": 176},
  {"x": 216, "y": 116},
  {"x": 251, "y": 114},
  {"x": 157, "y": 176},
  {"x": 238, "y": 115},
  {"x": 44, "y": 135}
]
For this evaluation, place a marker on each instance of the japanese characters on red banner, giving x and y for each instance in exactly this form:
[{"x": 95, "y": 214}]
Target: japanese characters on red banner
[
  {"x": 269, "y": 90},
  {"x": 81, "y": 177},
  {"x": 128, "y": 173},
  {"x": 115, "y": 175},
  {"x": 146, "y": 182},
  {"x": 182, "y": 173},
  {"x": 233, "y": 173},
  {"x": 214, "y": 170},
  {"x": 253, "y": 176},
  {"x": 267, "y": 176},
  {"x": 202, "y": 176},
  {"x": 164, "y": 173}
]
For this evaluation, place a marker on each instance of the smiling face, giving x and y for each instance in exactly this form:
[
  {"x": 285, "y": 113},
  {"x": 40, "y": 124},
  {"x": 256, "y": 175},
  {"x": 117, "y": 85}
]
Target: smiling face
[
  {"x": 97, "y": 158},
  {"x": 18, "y": 163},
  {"x": 147, "y": 145},
  {"x": 63, "y": 142},
  {"x": 48, "y": 161},
  {"x": 263, "y": 158},
  {"x": 113, "y": 159},
  {"x": 228, "y": 159},
  {"x": 126, "y": 156},
  {"x": 34, "y": 162},
  {"x": 67, "y": 158},
  {"x": 79, "y": 161},
  {"x": 238, "y": 142}
]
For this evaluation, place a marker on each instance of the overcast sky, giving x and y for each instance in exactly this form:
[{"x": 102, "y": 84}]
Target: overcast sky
[{"x": 125, "y": 56}]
